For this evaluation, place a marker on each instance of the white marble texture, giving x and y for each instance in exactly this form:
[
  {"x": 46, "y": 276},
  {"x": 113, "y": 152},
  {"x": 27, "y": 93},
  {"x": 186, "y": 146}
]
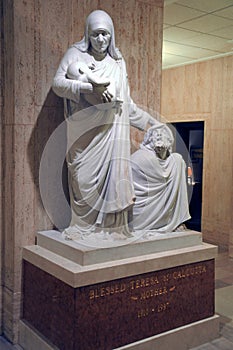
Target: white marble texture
[{"x": 96, "y": 250}]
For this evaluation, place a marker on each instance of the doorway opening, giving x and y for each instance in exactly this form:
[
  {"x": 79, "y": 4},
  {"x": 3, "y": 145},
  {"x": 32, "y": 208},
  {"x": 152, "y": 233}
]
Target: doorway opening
[{"x": 189, "y": 141}]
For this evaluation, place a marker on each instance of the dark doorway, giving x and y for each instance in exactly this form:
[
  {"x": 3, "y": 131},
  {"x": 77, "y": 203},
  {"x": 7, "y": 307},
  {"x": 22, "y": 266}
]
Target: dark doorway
[{"x": 189, "y": 140}]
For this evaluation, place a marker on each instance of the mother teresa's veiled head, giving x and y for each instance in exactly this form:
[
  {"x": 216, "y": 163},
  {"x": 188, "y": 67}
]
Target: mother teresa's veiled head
[
  {"x": 96, "y": 20},
  {"x": 99, "y": 20}
]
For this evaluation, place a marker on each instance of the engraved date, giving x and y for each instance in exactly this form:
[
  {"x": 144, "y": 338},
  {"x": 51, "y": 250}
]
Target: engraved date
[{"x": 144, "y": 312}]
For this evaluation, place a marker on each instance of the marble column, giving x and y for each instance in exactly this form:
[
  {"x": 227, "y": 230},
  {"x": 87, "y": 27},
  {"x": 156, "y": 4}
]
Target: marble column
[
  {"x": 1, "y": 114},
  {"x": 30, "y": 112}
]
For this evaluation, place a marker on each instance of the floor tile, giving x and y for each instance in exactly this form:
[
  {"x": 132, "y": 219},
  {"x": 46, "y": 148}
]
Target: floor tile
[
  {"x": 220, "y": 284},
  {"x": 220, "y": 272},
  {"x": 227, "y": 332},
  {"x": 5, "y": 345},
  {"x": 222, "y": 344}
]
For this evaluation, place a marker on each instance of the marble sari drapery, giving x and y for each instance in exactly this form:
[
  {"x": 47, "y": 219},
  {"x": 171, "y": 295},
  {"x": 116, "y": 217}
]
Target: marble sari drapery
[
  {"x": 100, "y": 175},
  {"x": 160, "y": 188}
]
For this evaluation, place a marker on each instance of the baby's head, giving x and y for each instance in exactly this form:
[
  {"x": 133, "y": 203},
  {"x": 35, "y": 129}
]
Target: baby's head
[
  {"x": 74, "y": 72},
  {"x": 81, "y": 72}
]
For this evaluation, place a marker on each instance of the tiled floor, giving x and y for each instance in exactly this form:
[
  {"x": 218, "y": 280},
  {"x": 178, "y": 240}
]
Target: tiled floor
[
  {"x": 223, "y": 307},
  {"x": 5, "y": 345},
  {"x": 223, "y": 303}
]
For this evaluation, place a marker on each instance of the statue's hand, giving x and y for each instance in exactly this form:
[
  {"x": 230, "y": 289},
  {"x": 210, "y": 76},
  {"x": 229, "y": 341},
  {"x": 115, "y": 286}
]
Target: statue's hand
[
  {"x": 107, "y": 96},
  {"x": 103, "y": 93},
  {"x": 92, "y": 77},
  {"x": 99, "y": 94},
  {"x": 150, "y": 123}
]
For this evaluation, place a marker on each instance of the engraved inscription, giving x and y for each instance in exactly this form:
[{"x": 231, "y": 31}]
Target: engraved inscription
[
  {"x": 143, "y": 292},
  {"x": 150, "y": 293},
  {"x": 184, "y": 273},
  {"x": 163, "y": 285},
  {"x": 144, "y": 282},
  {"x": 106, "y": 291},
  {"x": 158, "y": 308},
  {"x": 154, "y": 286}
]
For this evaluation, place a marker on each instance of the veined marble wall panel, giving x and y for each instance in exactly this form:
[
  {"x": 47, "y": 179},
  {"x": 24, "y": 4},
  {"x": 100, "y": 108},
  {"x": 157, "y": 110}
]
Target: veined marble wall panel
[
  {"x": 18, "y": 212},
  {"x": 23, "y": 62},
  {"x": 1, "y": 116},
  {"x": 231, "y": 244},
  {"x": 53, "y": 34},
  {"x": 204, "y": 91},
  {"x": 18, "y": 220},
  {"x": 18, "y": 118},
  {"x": 53, "y": 30}
]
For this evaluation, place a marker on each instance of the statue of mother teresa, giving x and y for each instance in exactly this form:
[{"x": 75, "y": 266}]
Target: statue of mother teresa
[{"x": 99, "y": 112}]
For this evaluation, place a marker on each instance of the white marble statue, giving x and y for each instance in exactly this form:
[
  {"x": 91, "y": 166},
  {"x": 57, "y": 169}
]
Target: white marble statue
[
  {"x": 160, "y": 184},
  {"x": 92, "y": 79},
  {"x": 81, "y": 72}
]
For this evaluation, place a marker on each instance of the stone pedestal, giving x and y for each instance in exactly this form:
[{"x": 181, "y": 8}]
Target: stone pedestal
[
  {"x": 133, "y": 302},
  {"x": 90, "y": 251}
]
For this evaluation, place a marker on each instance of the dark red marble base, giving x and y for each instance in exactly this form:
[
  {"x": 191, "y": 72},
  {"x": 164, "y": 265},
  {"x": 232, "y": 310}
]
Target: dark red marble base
[{"x": 107, "y": 315}]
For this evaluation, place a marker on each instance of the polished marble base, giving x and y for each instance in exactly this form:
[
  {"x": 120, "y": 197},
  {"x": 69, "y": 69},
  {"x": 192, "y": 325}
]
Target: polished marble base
[{"x": 110, "y": 304}]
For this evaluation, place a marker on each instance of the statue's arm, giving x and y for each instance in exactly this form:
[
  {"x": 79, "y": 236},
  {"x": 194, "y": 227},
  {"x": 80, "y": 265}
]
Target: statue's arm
[
  {"x": 140, "y": 118},
  {"x": 69, "y": 88}
]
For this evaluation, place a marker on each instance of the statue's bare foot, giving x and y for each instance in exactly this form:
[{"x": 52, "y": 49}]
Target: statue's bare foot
[{"x": 180, "y": 228}]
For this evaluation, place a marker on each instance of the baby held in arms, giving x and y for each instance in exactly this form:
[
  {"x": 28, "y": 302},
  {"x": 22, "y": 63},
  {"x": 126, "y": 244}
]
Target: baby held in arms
[{"x": 87, "y": 74}]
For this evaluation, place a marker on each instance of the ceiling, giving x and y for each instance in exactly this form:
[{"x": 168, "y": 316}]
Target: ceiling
[{"x": 196, "y": 30}]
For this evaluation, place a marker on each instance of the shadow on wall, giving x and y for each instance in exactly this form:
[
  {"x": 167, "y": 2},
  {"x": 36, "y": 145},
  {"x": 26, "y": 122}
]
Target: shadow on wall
[{"x": 50, "y": 117}]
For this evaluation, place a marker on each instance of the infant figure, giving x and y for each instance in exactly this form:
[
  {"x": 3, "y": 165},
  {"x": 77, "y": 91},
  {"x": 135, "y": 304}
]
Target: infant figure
[{"x": 86, "y": 74}]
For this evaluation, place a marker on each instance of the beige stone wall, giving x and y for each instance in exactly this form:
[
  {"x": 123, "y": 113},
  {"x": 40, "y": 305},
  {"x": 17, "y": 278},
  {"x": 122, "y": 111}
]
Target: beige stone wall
[
  {"x": 1, "y": 114},
  {"x": 204, "y": 91},
  {"x": 36, "y": 35},
  {"x": 231, "y": 242}
]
